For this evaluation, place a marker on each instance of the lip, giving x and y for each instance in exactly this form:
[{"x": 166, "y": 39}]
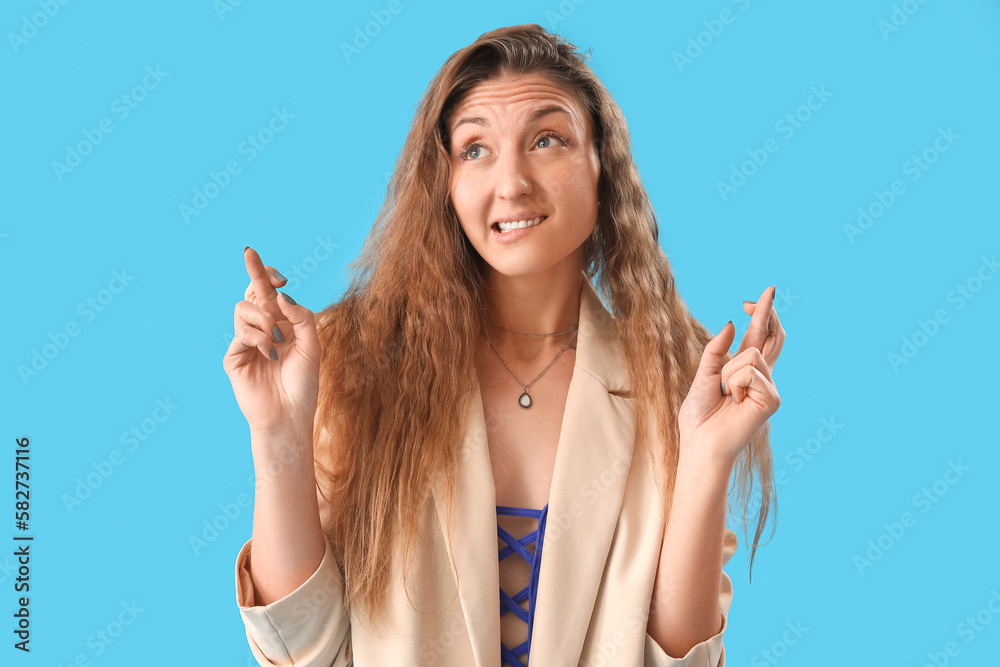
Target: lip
[{"x": 514, "y": 234}]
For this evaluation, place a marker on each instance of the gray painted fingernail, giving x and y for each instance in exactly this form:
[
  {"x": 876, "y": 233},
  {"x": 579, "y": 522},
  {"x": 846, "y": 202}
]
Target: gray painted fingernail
[
  {"x": 277, "y": 274},
  {"x": 274, "y": 355},
  {"x": 288, "y": 298},
  {"x": 277, "y": 334},
  {"x": 723, "y": 385}
]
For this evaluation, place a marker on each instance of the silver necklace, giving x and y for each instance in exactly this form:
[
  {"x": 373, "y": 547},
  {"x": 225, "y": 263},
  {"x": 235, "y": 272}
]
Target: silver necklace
[
  {"x": 524, "y": 400},
  {"x": 560, "y": 333}
]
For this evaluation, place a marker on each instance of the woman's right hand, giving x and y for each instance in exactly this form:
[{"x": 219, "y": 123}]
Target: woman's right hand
[{"x": 275, "y": 382}]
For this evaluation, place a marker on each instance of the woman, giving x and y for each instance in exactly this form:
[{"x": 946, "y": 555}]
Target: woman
[{"x": 471, "y": 383}]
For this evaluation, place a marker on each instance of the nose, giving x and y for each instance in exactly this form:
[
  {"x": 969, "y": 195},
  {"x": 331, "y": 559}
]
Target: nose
[{"x": 513, "y": 176}]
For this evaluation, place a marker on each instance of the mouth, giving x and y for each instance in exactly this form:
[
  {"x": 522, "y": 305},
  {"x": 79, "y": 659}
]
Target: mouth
[{"x": 507, "y": 227}]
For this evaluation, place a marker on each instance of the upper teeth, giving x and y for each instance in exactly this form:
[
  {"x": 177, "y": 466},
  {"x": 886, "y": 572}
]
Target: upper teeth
[{"x": 518, "y": 224}]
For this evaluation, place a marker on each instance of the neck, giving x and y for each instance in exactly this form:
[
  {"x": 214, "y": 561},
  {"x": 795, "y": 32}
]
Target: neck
[{"x": 546, "y": 302}]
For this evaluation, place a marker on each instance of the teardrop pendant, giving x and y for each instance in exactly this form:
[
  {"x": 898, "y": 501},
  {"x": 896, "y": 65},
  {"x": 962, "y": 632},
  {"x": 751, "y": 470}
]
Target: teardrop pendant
[{"x": 524, "y": 400}]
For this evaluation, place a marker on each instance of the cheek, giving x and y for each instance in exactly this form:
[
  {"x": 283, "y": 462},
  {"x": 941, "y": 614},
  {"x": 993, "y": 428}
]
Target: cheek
[
  {"x": 583, "y": 189},
  {"x": 576, "y": 182},
  {"x": 464, "y": 192},
  {"x": 465, "y": 203}
]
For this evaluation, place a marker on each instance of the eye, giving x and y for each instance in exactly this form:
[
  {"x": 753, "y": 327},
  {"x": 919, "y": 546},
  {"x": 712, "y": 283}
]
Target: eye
[
  {"x": 545, "y": 141},
  {"x": 471, "y": 152}
]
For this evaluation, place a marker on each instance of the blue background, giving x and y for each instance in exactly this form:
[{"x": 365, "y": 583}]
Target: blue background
[{"x": 848, "y": 301}]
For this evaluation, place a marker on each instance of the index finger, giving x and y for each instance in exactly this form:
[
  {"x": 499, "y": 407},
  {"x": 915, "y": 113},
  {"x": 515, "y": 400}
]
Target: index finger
[{"x": 262, "y": 288}]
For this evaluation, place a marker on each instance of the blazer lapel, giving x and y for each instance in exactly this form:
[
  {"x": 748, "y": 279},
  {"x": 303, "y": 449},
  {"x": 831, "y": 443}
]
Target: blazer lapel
[
  {"x": 592, "y": 463},
  {"x": 593, "y": 456},
  {"x": 473, "y": 541}
]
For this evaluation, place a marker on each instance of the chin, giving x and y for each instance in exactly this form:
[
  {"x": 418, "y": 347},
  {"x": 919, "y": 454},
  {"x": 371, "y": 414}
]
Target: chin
[{"x": 522, "y": 269}]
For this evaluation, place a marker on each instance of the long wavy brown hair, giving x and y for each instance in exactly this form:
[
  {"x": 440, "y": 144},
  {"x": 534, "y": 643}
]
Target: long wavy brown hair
[{"x": 398, "y": 366}]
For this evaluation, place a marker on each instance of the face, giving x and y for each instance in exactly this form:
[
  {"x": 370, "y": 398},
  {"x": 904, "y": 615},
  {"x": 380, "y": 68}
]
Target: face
[{"x": 522, "y": 151}]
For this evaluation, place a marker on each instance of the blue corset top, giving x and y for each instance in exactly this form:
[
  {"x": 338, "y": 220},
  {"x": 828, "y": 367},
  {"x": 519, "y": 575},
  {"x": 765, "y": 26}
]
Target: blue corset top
[{"x": 512, "y": 603}]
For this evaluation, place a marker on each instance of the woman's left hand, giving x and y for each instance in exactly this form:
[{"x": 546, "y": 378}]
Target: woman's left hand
[{"x": 730, "y": 401}]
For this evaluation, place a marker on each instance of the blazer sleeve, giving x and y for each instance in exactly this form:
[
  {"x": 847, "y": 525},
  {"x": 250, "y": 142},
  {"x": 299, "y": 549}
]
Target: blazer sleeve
[
  {"x": 307, "y": 627},
  {"x": 710, "y": 652}
]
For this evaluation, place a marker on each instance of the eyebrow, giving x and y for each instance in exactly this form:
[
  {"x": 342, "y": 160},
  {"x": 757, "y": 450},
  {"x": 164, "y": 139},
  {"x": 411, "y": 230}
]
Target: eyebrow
[{"x": 535, "y": 115}]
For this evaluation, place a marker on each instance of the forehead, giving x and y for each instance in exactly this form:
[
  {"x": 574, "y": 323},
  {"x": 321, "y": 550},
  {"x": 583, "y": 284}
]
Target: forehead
[{"x": 515, "y": 95}]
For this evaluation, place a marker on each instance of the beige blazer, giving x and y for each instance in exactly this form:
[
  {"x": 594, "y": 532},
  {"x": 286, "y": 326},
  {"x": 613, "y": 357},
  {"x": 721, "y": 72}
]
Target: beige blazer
[{"x": 601, "y": 545}]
